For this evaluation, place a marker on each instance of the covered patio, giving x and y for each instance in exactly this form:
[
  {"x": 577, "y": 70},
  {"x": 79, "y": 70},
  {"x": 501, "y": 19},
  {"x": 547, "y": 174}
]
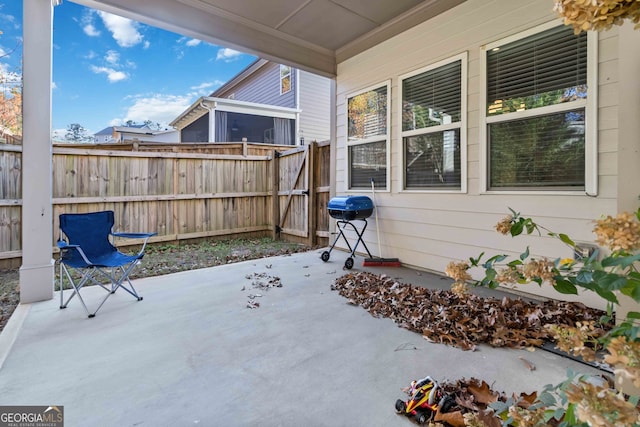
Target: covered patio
[{"x": 192, "y": 353}]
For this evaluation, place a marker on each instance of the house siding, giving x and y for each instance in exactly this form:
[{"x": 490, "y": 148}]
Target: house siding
[
  {"x": 428, "y": 230},
  {"x": 264, "y": 88},
  {"x": 315, "y": 104}
]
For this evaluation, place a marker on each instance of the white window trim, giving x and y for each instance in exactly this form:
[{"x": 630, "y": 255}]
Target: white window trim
[
  {"x": 386, "y": 138},
  {"x": 281, "y": 77},
  {"x": 591, "y": 116},
  {"x": 462, "y": 125}
]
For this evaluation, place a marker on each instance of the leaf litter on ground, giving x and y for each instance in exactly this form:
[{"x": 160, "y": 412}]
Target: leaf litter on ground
[
  {"x": 261, "y": 281},
  {"x": 442, "y": 316}
]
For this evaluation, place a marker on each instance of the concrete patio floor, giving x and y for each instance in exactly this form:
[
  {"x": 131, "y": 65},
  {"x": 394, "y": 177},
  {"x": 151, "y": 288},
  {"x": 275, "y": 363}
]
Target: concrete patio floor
[{"x": 192, "y": 353}]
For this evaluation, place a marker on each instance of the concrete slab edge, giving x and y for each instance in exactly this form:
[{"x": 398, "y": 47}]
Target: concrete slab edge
[{"x": 11, "y": 329}]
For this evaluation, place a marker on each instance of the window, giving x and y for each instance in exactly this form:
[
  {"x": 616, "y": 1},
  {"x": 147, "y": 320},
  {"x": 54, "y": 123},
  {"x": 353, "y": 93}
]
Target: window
[
  {"x": 285, "y": 79},
  {"x": 368, "y": 138},
  {"x": 433, "y": 125},
  {"x": 539, "y": 111}
]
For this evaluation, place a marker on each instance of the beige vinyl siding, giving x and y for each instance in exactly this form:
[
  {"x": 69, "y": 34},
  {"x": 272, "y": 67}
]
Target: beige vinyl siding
[
  {"x": 315, "y": 103},
  {"x": 430, "y": 230}
]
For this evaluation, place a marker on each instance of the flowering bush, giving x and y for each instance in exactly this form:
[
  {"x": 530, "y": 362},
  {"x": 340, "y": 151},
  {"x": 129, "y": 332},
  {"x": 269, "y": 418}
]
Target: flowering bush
[
  {"x": 578, "y": 401},
  {"x": 597, "y": 15}
]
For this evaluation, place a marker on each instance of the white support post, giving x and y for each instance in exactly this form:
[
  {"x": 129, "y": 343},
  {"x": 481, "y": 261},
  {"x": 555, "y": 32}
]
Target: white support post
[{"x": 37, "y": 270}]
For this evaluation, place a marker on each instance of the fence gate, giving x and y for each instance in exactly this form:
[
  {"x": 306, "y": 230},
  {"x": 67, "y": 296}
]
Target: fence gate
[{"x": 300, "y": 193}]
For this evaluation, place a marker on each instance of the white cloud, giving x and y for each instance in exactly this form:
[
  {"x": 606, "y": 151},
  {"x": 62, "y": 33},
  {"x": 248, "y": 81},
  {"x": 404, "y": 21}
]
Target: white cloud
[
  {"x": 205, "y": 88},
  {"x": 112, "y": 75},
  {"x": 124, "y": 31},
  {"x": 193, "y": 42},
  {"x": 58, "y": 134},
  {"x": 159, "y": 108},
  {"x": 10, "y": 19},
  {"x": 146, "y": 44},
  {"x": 90, "y": 30},
  {"x": 112, "y": 57},
  {"x": 54, "y": 86},
  {"x": 227, "y": 55},
  {"x": 87, "y": 23},
  {"x": 9, "y": 77}
]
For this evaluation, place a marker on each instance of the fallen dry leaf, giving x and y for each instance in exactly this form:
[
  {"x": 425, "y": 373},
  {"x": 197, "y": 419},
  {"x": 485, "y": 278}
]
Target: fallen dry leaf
[
  {"x": 528, "y": 364},
  {"x": 462, "y": 321},
  {"x": 454, "y": 419},
  {"x": 482, "y": 393}
]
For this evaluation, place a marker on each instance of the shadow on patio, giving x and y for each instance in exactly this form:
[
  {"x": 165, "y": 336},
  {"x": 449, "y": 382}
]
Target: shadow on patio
[{"x": 193, "y": 353}]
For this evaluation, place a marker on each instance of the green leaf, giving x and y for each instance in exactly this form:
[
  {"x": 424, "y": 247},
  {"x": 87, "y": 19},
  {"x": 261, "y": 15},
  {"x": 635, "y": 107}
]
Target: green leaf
[
  {"x": 558, "y": 414},
  {"x": 632, "y": 289},
  {"x": 609, "y": 281},
  {"x": 525, "y": 254},
  {"x": 496, "y": 258},
  {"x": 530, "y": 225},
  {"x": 570, "y": 415},
  {"x": 624, "y": 261},
  {"x": 499, "y": 407},
  {"x": 633, "y": 315},
  {"x": 476, "y": 261},
  {"x": 566, "y": 287},
  {"x": 515, "y": 263},
  {"x": 608, "y": 295},
  {"x": 584, "y": 277},
  {"x": 566, "y": 239},
  {"x": 547, "y": 398},
  {"x": 516, "y": 229},
  {"x": 490, "y": 274}
]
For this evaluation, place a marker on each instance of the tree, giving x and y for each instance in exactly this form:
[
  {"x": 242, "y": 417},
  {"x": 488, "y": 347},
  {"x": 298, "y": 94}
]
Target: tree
[
  {"x": 148, "y": 123},
  {"x": 10, "y": 98},
  {"x": 77, "y": 134},
  {"x": 10, "y": 109}
]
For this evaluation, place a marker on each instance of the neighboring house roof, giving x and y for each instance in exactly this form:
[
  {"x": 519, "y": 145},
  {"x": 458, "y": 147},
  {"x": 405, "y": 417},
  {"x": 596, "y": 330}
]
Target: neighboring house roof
[
  {"x": 139, "y": 129},
  {"x": 145, "y": 131},
  {"x": 205, "y": 103},
  {"x": 105, "y": 131}
]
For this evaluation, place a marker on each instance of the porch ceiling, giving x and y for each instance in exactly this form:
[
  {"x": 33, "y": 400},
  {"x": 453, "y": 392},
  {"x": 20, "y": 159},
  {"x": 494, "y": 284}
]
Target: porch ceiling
[{"x": 313, "y": 35}]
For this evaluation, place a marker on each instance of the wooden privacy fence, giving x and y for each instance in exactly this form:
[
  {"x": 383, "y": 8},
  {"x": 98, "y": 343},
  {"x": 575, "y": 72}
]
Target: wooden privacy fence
[{"x": 181, "y": 191}]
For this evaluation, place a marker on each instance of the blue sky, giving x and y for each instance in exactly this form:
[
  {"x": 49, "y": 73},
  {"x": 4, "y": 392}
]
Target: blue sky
[{"x": 108, "y": 69}]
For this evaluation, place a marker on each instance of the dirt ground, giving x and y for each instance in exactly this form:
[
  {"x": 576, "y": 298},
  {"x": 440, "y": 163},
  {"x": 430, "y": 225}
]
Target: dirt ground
[{"x": 168, "y": 258}]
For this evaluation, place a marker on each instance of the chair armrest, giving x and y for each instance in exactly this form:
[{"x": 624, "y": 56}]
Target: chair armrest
[
  {"x": 64, "y": 246},
  {"x": 134, "y": 235},
  {"x": 144, "y": 236}
]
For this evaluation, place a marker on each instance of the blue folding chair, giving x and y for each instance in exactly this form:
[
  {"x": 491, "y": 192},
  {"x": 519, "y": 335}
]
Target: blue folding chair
[{"x": 86, "y": 248}]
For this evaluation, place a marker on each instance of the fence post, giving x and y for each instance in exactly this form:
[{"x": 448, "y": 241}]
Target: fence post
[
  {"x": 312, "y": 199},
  {"x": 275, "y": 197},
  {"x": 174, "y": 203}
]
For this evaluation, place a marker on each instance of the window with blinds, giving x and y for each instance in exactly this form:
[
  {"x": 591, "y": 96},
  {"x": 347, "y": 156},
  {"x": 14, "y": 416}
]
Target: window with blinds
[
  {"x": 535, "y": 112},
  {"x": 432, "y": 118},
  {"x": 367, "y": 137},
  {"x": 368, "y": 161}
]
